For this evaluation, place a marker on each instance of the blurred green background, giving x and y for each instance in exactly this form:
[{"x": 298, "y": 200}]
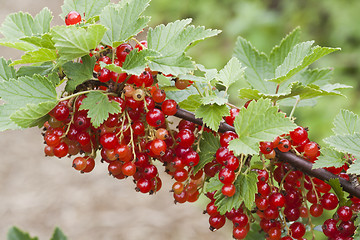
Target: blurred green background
[{"x": 264, "y": 23}]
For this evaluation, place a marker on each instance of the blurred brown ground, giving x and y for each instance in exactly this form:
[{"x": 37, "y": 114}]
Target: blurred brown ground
[{"x": 38, "y": 193}]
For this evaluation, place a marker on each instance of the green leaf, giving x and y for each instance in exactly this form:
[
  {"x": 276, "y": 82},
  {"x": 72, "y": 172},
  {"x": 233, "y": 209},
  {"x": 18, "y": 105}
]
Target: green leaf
[
  {"x": 259, "y": 122},
  {"x": 177, "y": 64},
  {"x": 7, "y": 72},
  {"x": 191, "y": 103},
  {"x": 43, "y": 41},
  {"x": 74, "y": 42},
  {"x": 172, "y": 41},
  {"x": 335, "y": 184},
  {"x": 214, "y": 99},
  {"x": 99, "y": 107},
  {"x": 346, "y": 122},
  {"x": 231, "y": 73},
  {"x": 89, "y": 8},
  {"x": 79, "y": 72},
  {"x": 257, "y": 66},
  {"x": 123, "y": 21},
  {"x": 248, "y": 188},
  {"x": 135, "y": 62},
  {"x": 299, "y": 58},
  {"x": 329, "y": 158},
  {"x": 15, "y": 233},
  {"x": 345, "y": 143},
  {"x": 225, "y": 204},
  {"x": 18, "y": 25},
  {"x": 44, "y": 69},
  {"x": 58, "y": 235},
  {"x": 212, "y": 115},
  {"x": 17, "y": 94},
  {"x": 209, "y": 144},
  {"x": 181, "y": 95},
  {"x": 32, "y": 114},
  {"x": 38, "y": 56},
  {"x": 214, "y": 184},
  {"x": 354, "y": 168},
  {"x": 22, "y": 46},
  {"x": 309, "y": 91},
  {"x": 315, "y": 76},
  {"x": 280, "y": 52}
]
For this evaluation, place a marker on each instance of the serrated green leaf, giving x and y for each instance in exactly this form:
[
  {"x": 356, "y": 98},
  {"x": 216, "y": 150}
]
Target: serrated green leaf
[
  {"x": 212, "y": 115},
  {"x": 44, "y": 69},
  {"x": 346, "y": 122},
  {"x": 43, "y": 41},
  {"x": 212, "y": 99},
  {"x": 298, "y": 59},
  {"x": 18, "y": 93},
  {"x": 172, "y": 41},
  {"x": 135, "y": 62},
  {"x": 329, "y": 158},
  {"x": 58, "y": 235},
  {"x": 354, "y": 168},
  {"x": 123, "y": 21},
  {"x": 257, "y": 66},
  {"x": 74, "y": 42},
  {"x": 309, "y": 91},
  {"x": 191, "y": 103},
  {"x": 248, "y": 188},
  {"x": 87, "y": 8},
  {"x": 231, "y": 73},
  {"x": 214, "y": 184},
  {"x": 357, "y": 225},
  {"x": 209, "y": 144},
  {"x": 31, "y": 115},
  {"x": 23, "y": 46},
  {"x": 315, "y": 76},
  {"x": 18, "y": 25},
  {"x": 336, "y": 186},
  {"x": 79, "y": 72},
  {"x": 7, "y": 72},
  {"x": 177, "y": 64},
  {"x": 15, "y": 233},
  {"x": 193, "y": 78},
  {"x": 345, "y": 143},
  {"x": 99, "y": 107},
  {"x": 259, "y": 122},
  {"x": 225, "y": 204},
  {"x": 38, "y": 56},
  {"x": 281, "y": 51},
  {"x": 181, "y": 95}
]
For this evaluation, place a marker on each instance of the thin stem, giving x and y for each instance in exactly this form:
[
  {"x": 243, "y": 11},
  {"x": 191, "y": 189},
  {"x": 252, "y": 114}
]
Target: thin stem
[
  {"x": 137, "y": 41},
  {"x": 232, "y": 105},
  {"x": 197, "y": 89},
  {"x": 79, "y": 93},
  {"x": 294, "y": 107}
]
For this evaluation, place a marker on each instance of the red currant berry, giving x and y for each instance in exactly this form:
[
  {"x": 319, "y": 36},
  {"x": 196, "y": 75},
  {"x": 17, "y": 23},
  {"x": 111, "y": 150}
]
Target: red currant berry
[
  {"x": 79, "y": 163},
  {"x": 155, "y": 117},
  {"x": 228, "y": 190},
  {"x": 72, "y": 18},
  {"x": 169, "y": 107}
]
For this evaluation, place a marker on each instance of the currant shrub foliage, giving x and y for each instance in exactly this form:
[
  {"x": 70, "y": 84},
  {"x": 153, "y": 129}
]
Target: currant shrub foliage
[{"x": 67, "y": 55}]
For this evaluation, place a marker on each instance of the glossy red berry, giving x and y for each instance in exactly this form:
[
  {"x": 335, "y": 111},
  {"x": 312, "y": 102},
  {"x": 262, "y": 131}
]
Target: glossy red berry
[
  {"x": 72, "y": 18},
  {"x": 185, "y": 138},
  {"x": 299, "y": 135},
  {"x": 217, "y": 222},
  {"x": 79, "y": 163},
  {"x": 284, "y": 145},
  {"x": 329, "y": 201},
  {"x": 155, "y": 117},
  {"x": 311, "y": 149},
  {"x": 233, "y": 113},
  {"x": 226, "y": 137},
  {"x": 169, "y": 107},
  {"x": 226, "y": 176},
  {"x": 228, "y": 190},
  {"x": 297, "y": 230},
  {"x": 143, "y": 185},
  {"x": 90, "y": 165},
  {"x": 109, "y": 140},
  {"x": 344, "y": 213}
]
